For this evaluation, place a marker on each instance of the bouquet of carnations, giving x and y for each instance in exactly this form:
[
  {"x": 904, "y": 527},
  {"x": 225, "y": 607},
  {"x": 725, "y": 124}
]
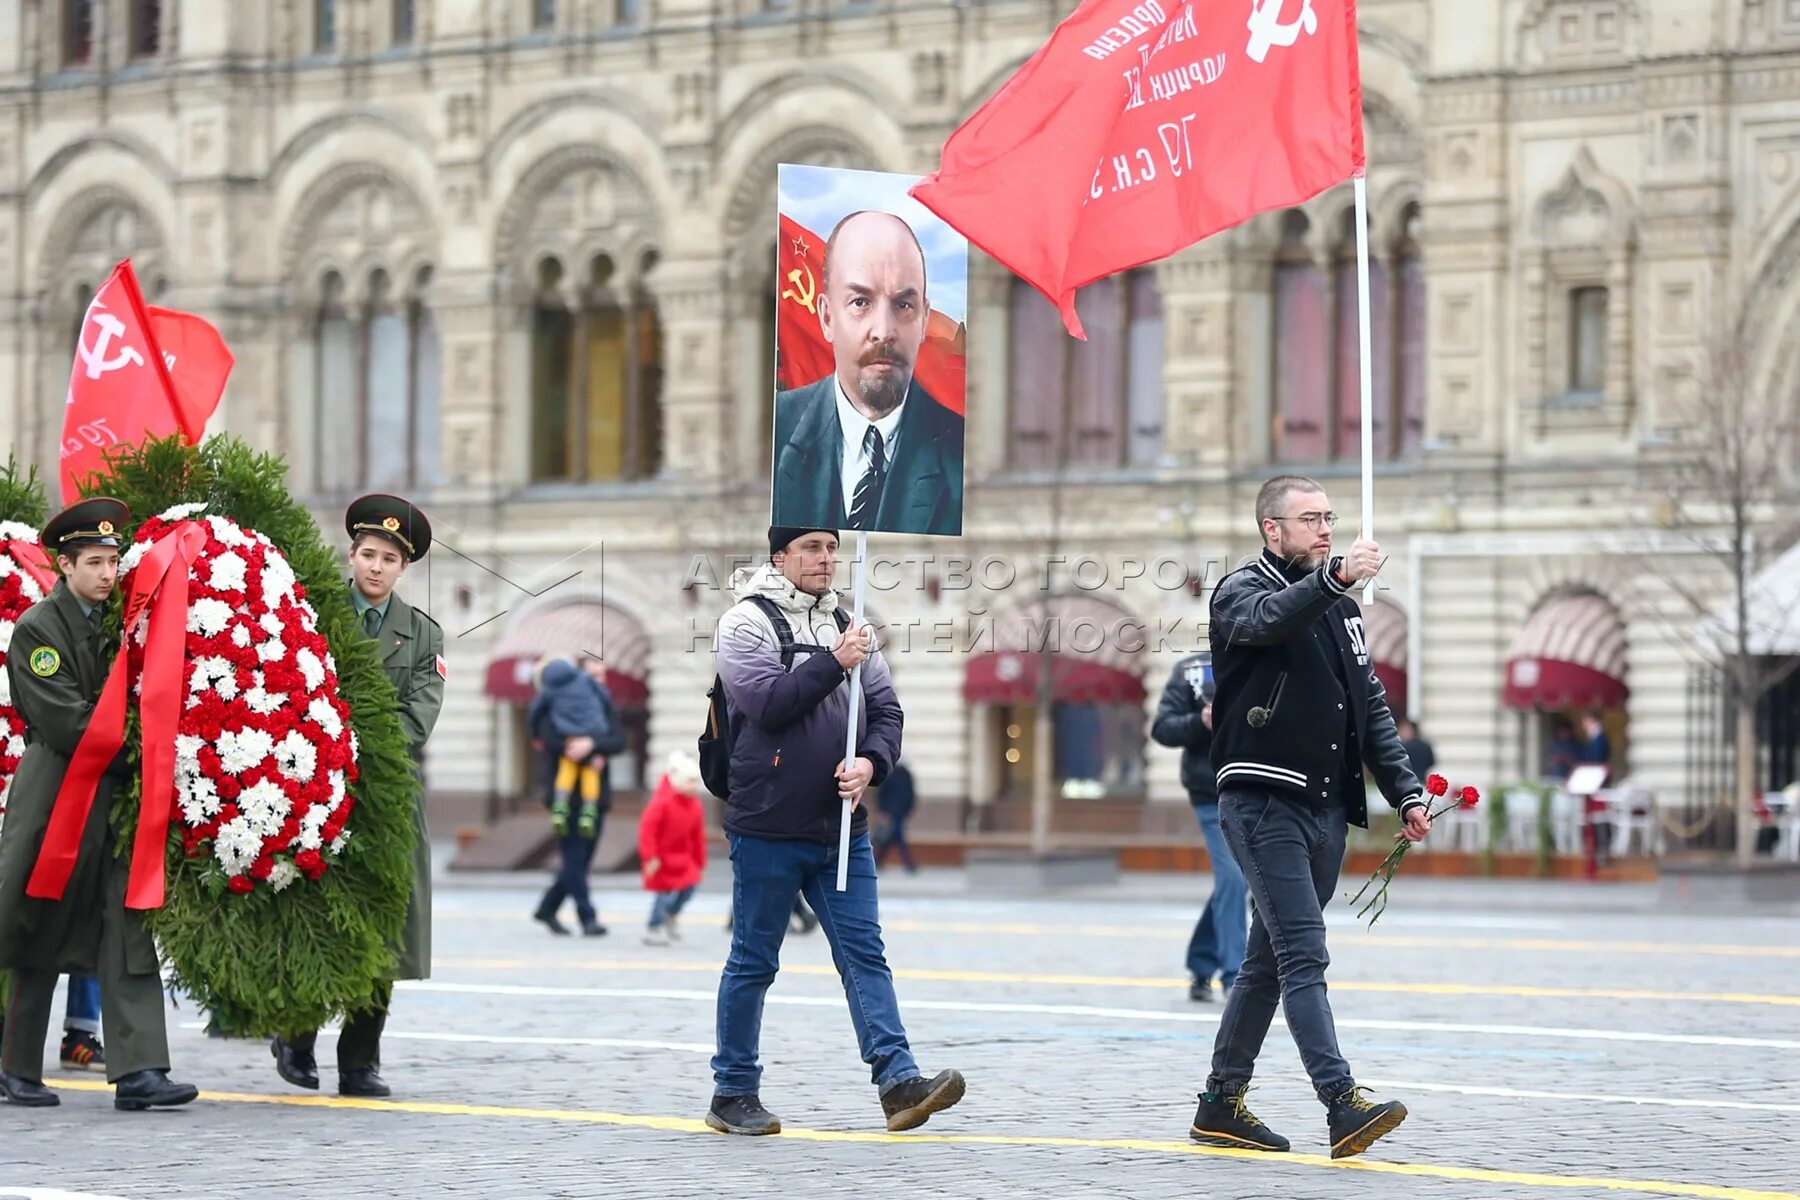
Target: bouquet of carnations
[{"x": 1437, "y": 788}]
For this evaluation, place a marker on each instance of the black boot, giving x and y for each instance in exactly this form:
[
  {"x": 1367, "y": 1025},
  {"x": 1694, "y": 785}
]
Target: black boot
[
  {"x": 1225, "y": 1120},
  {"x": 151, "y": 1089},
  {"x": 909, "y": 1104},
  {"x": 1358, "y": 1122},
  {"x": 363, "y": 1081},
  {"x": 743, "y": 1115},
  {"x": 296, "y": 1066},
  {"x": 1200, "y": 990},
  {"x": 591, "y": 927},
  {"x": 550, "y": 922},
  {"x": 29, "y": 1092}
]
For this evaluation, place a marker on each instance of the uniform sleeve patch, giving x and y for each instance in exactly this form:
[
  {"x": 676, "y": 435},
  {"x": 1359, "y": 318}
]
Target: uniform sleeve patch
[
  {"x": 443, "y": 669},
  {"x": 45, "y": 661}
]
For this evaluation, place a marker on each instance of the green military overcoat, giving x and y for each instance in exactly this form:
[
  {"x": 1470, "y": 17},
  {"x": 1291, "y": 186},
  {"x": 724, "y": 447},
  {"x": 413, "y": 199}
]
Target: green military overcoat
[
  {"x": 412, "y": 651},
  {"x": 56, "y": 667}
]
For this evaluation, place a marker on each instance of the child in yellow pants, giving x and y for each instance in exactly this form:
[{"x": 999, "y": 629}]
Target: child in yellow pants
[{"x": 569, "y": 774}]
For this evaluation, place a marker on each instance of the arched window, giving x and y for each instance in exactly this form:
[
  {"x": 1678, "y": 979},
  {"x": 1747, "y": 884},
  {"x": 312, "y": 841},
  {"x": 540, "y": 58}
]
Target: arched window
[
  {"x": 77, "y": 32},
  {"x": 146, "y": 28},
  {"x": 1317, "y": 351},
  {"x": 405, "y": 24},
  {"x": 1096, "y": 403},
  {"x": 597, "y": 368},
  {"x": 378, "y": 375},
  {"x": 1409, "y": 346},
  {"x": 324, "y": 29},
  {"x": 1298, "y": 344}
]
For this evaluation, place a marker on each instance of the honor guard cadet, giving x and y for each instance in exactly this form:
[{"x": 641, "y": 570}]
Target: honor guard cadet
[
  {"x": 387, "y": 535},
  {"x": 58, "y": 663}
]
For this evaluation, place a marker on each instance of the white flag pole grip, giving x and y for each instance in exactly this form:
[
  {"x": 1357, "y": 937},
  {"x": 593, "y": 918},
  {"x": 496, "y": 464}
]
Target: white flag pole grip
[{"x": 856, "y": 616}]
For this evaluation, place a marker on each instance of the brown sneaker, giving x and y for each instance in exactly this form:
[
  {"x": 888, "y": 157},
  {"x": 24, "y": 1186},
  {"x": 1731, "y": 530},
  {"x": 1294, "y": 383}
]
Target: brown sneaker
[{"x": 909, "y": 1104}]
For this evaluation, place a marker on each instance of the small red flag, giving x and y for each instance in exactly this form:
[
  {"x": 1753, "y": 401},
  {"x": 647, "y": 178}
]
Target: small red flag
[
  {"x": 1140, "y": 128},
  {"x": 127, "y": 387},
  {"x": 803, "y": 353}
]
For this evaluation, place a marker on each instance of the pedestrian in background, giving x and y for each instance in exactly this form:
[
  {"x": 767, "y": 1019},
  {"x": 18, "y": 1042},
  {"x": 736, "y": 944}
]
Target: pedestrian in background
[
  {"x": 896, "y": 799},
  {"x": 672, "y": 846},
  {"x": 1184, "y": 721}
]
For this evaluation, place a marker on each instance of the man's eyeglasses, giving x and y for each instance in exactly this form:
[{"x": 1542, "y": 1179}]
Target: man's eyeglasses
[{"x": 1314, "y": 520}]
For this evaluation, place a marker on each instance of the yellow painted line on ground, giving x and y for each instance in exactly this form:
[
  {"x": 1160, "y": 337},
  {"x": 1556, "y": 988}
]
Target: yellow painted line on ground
[
  {"x": 1163, "y": 983},
  {"x": 1344, "y": 937},
  {"x": 1486, "y": 1175}
]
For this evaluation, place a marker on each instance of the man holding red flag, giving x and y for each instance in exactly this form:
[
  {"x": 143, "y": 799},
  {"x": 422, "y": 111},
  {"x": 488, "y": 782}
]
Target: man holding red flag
[
  {"x": 140, "y": 373},
  {"x": 58, "y": 663}
]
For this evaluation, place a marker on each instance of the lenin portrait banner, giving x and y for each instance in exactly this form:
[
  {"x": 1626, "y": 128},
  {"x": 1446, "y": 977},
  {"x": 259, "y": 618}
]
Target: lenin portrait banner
[{"x": 871, "y": 293}]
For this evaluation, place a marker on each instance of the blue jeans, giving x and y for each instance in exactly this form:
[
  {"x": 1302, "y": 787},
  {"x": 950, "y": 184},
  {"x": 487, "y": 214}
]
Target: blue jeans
[
  {"x": 766, "y": 876},
  {"x": 83, "y": 1012},
  {"x": 1219, "y": 936},
  {"x": 668, "y": 904},
  {"x": 1290, "y": 853}
]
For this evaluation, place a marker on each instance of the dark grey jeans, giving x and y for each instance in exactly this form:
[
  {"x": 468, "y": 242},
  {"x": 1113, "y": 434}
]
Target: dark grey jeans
[{"x": 1290, "y": 853}]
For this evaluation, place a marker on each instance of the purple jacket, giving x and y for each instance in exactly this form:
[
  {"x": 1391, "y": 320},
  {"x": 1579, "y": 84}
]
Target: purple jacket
[{"x": 790, "y": 725}]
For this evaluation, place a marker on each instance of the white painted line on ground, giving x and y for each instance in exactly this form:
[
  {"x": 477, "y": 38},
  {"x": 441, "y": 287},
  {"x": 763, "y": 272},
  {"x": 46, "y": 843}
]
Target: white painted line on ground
[
  {"x": 496, "y": 1039},
  {"x": 1573, "y": 1033}
]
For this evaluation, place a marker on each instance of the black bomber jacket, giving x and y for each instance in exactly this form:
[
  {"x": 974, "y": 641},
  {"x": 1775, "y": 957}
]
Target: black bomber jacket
[{"x": 1271, "y": 628}]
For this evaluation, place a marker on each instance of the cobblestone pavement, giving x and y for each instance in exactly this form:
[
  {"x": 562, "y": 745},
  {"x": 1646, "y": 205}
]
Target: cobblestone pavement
[{"x": 1545, "y": 1050}]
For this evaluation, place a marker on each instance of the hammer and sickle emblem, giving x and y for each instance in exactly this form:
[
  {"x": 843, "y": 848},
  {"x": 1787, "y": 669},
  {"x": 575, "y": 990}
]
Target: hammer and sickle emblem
[
  {"x": 802, "y": 288},
  {"x": 1268, "y": 30},
  {"x": 96, "y": 358}
]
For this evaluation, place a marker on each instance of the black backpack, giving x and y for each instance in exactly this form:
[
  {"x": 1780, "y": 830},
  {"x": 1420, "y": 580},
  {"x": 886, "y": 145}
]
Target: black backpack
[{"x": 721, "y": 726}]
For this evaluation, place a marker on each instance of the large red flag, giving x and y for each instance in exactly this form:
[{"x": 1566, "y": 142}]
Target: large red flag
[
  {"x": 126, "y": 387},
  {"x": 1140, "y": 128},
  {"x": 803, "y": 354}
]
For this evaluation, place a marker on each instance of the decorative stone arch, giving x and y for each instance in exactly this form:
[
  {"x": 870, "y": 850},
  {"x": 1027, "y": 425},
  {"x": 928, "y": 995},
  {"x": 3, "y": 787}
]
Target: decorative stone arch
[
  {"x": 1770, "y": 336},
  {"x": 357, "y": 219},
  {"x": 748, "y": 219},
  {"x": 1581, "y": 234},
  {"x": 90, "y": 234},
  {"x": 382, "y": 125},
  {"x": 574, "y": 205}
]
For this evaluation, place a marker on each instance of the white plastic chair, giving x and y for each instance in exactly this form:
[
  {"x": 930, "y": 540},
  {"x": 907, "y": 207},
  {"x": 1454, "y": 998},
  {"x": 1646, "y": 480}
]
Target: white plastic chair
[
  {"x": 1522, "y": 821},
  {"x": 1632, "y": 811}
]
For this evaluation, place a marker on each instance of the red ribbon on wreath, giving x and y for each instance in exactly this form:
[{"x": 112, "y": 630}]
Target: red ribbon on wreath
[
  {"x": 32, "y": 560},
  {"x": 159, "y": 707}
]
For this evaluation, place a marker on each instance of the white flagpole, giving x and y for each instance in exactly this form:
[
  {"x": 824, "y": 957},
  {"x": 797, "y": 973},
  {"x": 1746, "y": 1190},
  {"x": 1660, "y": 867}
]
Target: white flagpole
[
  {"x": 856, "y": 616},
  {"x": 1366, "y": 361}
]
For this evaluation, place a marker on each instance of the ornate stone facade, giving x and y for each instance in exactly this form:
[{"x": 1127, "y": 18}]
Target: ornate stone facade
[{"x": 1587, "y": 184}]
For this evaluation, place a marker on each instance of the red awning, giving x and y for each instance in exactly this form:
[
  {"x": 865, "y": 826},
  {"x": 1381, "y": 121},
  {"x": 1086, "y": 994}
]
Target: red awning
[
  {"x": 1008, "y": 678},
  {"x": 571, "y": 631},
  {"x": 1569, "y": 654},
  {"x": 1384, "y": 628},
  {"x": 1096, "y": 651}
]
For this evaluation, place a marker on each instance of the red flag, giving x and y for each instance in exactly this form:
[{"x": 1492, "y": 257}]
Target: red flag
[
  {"x": 199, "y": 363},
  {"x": 122, "y": 390},
  {"x": 1140, "y": 128},
  {"x": 803, "y": 354}
]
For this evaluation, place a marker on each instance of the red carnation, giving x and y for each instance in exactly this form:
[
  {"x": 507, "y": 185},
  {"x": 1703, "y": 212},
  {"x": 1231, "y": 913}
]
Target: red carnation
[
  {"x": 228, "y": 813},
  {"x": 262, "y": 868},
  {"x": 1470, "y": 797},
  {"x": 227, "y": 787},
  {"x": 310, "y": 863},
  {"x": 1437, "y": 785},
  {"x": 242, "y": 885}
]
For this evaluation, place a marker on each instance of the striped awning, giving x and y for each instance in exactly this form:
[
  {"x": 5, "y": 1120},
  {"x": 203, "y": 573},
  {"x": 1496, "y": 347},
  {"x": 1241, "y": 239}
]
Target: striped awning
[
  {"x": 1570, "y": 653},
  {"x": 572, "y": 631},
  {"x": 1095, "y": 653},
  {"x": 1384, "y": 628}
]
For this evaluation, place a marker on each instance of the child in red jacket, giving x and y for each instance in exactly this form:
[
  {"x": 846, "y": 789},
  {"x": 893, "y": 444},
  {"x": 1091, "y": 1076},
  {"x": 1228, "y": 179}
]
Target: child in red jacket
[{"x": 672, "y": 845}]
